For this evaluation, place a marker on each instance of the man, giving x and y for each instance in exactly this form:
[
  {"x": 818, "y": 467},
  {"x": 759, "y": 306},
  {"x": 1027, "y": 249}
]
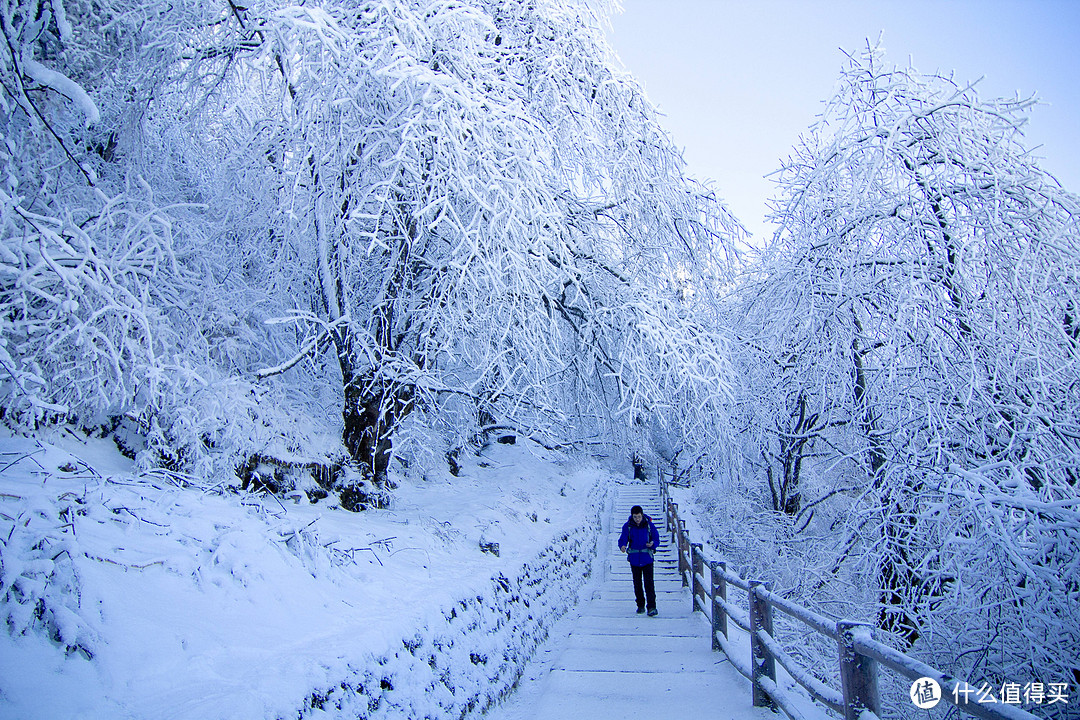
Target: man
[{"x": 639, "y": 540}]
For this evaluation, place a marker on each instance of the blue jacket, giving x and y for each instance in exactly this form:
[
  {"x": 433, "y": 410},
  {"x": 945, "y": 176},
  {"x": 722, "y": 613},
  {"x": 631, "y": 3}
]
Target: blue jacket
[{"x": 635, "y": 537}]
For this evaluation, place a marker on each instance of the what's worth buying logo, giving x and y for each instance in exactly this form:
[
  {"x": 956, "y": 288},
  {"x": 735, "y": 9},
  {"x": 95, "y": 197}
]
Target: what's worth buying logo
[{"x": 925, "y": 693}]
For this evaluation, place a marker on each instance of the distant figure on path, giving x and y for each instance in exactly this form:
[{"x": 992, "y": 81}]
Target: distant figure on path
[{"x": 639, "y": 540}]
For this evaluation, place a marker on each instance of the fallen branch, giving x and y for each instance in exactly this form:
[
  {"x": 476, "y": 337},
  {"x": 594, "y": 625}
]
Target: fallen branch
[{"x": 126, "y": 566}]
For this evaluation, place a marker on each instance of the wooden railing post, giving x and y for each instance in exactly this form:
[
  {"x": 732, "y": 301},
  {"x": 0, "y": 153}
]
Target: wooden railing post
[
  {"x": 858, "y": 673},
  {"x": 674, "y": 528},
  {"x": 718, "y": 590},
  {"x": 762, "y": 662},
  {"x": 696, "y": 565},
  {"x": 669, "y": 508},
  {"x": 684, "y": 560}
]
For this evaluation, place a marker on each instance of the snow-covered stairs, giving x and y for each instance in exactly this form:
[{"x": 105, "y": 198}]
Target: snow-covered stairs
[{"x": 605, "y": 661}]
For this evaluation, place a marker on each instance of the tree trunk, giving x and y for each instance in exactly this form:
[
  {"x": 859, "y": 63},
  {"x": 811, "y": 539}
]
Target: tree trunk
[
  {"x": 894, "y": 571},
  {"x": 372, "y": 408}
]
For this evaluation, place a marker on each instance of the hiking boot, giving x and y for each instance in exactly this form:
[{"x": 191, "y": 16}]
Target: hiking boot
[
  {"x": 652, "y": 612},
  {"x": 640, "y": 610}
]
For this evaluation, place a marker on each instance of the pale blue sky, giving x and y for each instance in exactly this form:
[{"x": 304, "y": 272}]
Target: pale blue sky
[{"x": 739, "y": 80}]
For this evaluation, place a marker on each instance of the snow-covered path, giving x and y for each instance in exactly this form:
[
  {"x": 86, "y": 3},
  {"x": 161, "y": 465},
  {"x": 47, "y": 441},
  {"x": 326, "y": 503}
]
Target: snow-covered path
[{"x": 605, "y": 661}]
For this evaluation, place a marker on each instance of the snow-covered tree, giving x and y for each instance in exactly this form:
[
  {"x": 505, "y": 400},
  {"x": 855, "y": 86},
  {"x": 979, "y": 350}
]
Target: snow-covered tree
[
  {"x": 464, "y": 207},
  {"x": 89, "y": 254},
  {"x": 118, "y": 302},
  {"x": 920, "y": 300},
  {"x": 488, "y": 206}
]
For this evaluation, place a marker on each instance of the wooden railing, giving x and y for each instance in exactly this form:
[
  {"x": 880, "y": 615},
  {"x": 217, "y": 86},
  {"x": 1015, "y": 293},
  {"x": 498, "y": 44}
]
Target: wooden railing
[{"x": 858, "y": 657}]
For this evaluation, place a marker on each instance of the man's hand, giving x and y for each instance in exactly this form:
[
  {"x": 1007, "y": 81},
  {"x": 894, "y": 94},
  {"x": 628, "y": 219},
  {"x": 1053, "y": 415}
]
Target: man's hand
[
  {"x": 623, "y": 548},
  {"x": 649, "y": 544}
]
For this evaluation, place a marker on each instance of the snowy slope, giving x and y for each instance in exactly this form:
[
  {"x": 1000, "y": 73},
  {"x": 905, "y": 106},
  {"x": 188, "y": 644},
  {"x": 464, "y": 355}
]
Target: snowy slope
[{"x": 132, "y": 596}]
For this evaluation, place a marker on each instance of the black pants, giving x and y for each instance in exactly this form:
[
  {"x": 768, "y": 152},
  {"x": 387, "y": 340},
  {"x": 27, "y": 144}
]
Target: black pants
[{"x": 643, "y": 577}]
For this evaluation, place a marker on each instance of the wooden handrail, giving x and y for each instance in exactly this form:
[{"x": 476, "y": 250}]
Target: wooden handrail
[{"x": 859, "y": 653}]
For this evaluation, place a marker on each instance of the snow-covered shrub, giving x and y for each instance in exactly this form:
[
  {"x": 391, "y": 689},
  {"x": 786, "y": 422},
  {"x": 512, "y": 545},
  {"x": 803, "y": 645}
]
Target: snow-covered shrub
[{"x": 39, "y": 583}]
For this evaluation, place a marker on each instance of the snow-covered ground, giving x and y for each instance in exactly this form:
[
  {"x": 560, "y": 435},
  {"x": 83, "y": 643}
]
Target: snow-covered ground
[{"x": 131, "y": 596}]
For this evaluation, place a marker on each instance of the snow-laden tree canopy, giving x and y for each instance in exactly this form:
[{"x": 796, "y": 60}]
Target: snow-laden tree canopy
[
  {"x": 465, "y": 207},
  {"x": 912, "y": 338}
]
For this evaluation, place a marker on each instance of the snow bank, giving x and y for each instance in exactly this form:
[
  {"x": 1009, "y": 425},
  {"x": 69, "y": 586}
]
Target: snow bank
[
  {"x": 471, "y": 654},
  {"x": 133, "y": 596}
]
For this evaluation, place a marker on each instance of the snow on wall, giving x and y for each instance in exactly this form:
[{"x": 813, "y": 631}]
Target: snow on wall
[{"x": 472, "y": 654}]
